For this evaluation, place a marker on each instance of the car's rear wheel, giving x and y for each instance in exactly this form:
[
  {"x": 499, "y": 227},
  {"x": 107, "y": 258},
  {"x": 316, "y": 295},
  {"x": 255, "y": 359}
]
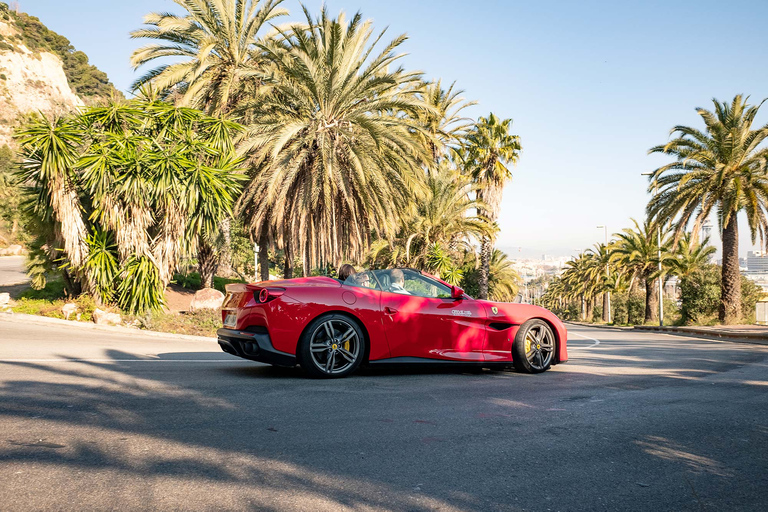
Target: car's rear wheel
[
  {"x": 333, "y": 345},
  {"x": 534, "y": 347}
]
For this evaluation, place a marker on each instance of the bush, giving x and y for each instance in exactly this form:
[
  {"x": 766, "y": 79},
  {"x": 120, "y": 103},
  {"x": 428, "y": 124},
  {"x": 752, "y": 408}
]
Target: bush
[
  {"x": 750, "y": 294},
  {"x": 700, "y": 295},
  {"x": 192, "y": 281}
]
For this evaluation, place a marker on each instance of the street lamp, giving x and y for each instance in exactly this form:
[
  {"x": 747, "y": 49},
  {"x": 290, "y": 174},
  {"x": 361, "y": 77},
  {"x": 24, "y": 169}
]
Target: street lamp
[
  {"x": 608, "y": 274},
  {"x": 658, "y": 238}
]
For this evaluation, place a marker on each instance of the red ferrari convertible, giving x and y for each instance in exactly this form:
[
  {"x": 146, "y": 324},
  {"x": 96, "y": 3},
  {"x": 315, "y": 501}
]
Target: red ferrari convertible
[{"x": 380, "y": 317}]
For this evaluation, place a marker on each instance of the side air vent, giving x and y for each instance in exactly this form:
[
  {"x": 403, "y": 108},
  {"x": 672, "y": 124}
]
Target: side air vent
[{"x": 499, "y": 326}]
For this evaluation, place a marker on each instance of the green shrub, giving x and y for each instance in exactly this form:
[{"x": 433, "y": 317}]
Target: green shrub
[
  {"x": 53, "y": 290},
  {"x": 191, "y": 281}
]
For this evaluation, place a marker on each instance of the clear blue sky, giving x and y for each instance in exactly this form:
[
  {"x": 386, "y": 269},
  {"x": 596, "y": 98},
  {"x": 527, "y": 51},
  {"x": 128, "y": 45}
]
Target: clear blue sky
[{"x": 591, "y": 85}]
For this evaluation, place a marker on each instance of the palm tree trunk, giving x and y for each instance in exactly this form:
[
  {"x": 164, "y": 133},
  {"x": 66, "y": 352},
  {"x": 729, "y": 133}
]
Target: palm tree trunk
[
  {"x": 264, "y": 254},
  {"x": 486, "y": 247},
  {"x": 651, "y": 300},
  {"x": 225, "y": 260},
  {"x": 490, "y": 194},
  {"x": 730, "y": 297},
  {"x": 288, "y": 268},
  {"x": 606, "y": 298},
  {"x": 208, "y": 262},
  {"x": 590, "y": 309}
]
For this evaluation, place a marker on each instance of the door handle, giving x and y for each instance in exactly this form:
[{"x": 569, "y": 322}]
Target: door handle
[{"x": 390, "y": 311}]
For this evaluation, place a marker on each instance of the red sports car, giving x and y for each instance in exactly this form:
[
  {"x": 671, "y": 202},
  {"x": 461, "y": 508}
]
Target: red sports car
[{"x": 381, "y": 317}]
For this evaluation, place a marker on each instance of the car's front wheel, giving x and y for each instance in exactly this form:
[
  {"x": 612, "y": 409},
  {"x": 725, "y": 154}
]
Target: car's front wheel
[
  {"x": 534, "y": 347},
  {"x": 332, "y": 346}
]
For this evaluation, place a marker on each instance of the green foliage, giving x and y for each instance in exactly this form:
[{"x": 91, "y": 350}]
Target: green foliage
[
  {"x": 102, "y": 263},
  {"x": 84, "y": 79},
  {"x": 140, "y": 289},
  {"x": 118, "y": 194},
  {"x": 700, "y": 295},
  {"x": 54, "y": 289},
  {"x": 751, "y": 293},
  {"x": 192, "y": 281}
]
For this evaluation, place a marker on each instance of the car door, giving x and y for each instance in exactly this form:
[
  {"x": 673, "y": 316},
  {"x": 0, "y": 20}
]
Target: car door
[{"x": 422, "y": 320}]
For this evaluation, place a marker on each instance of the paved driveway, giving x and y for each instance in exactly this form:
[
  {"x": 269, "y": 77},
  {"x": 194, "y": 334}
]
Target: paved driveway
[{"x": 635, "y": 421}]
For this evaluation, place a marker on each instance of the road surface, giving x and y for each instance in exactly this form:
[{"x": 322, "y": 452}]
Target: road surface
[
  {"x": 12, "y": 270},
  {"x": 635, "y": 421}
]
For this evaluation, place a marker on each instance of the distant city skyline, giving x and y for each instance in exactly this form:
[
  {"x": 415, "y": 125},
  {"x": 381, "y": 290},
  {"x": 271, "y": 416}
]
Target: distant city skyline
[{"x": 590, "y": 86}]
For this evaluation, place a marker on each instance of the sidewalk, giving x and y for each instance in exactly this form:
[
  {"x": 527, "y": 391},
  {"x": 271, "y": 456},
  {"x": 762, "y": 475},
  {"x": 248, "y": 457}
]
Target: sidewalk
[
  {"x": 757, "y": 334},
  {"x": 751, "y": 333}
]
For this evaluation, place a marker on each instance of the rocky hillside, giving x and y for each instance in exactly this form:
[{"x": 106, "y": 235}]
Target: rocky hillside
[{"x": 41, "y": 71}]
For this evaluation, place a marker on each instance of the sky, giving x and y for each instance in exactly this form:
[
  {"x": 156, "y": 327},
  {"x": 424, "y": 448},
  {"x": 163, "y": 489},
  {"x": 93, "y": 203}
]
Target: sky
[{"x": 590, "y": 85}]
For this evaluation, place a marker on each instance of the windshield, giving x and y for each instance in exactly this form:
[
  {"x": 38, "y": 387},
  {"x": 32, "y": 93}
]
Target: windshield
[{"x": 411, "y": 282}]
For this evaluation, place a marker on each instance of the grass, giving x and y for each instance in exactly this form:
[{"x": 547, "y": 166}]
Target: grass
[{"x": 198, "y": 323}]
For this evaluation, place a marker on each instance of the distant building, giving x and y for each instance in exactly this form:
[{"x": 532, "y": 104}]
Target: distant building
[{"x": 757, "y": 261}]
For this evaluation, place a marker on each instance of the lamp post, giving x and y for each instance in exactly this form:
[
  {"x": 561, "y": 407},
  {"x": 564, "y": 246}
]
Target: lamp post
[
  {"x": 608, "y": 274},
  {"x": 658, "y": 241}
]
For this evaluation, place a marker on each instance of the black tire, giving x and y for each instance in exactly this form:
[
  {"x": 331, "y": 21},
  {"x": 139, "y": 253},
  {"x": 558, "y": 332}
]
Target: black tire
[
  {"x": 533, "y": 350},
  {"x": 332, "y": 346}
]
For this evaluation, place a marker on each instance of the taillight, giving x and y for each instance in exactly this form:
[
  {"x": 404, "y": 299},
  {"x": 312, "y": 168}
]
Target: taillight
[{"x": 267, "y": 294}]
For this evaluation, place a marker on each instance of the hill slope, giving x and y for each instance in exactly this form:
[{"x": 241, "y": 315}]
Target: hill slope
[{"x": 41, "y": 71}]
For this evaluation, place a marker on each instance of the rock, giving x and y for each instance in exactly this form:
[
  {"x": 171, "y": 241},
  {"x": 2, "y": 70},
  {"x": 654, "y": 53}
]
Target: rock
[
  {"x": 5, "y": 298},
  {"x": 15, "y": 250},
  {"x": 207, "y": 298},
  {"x": 68, "y": 309},
  {"x": 4, "y": 252},
  {"x": 106, "y": 318}
]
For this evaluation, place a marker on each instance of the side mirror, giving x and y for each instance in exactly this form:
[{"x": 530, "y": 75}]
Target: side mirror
[{"x": 456, "y": 292}]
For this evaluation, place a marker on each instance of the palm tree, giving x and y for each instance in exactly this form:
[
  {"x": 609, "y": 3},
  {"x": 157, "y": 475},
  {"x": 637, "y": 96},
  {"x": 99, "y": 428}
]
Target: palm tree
[
  {"x": 723, "y": 169},
  {"x": 333, "y": 144},
  {"x": 218, "y": 64},
  {"x": 214, "y": 46},
  {"x": 601, "y": 261},
  {"x": 441, "y": 224},
  {"x": 637, "y": 250},
  {"x": 443, "y": 126},
  {"x": 690, "y": 256},
  {"x": 504, "y": 281},
  {"x": 490, "y": 148}
]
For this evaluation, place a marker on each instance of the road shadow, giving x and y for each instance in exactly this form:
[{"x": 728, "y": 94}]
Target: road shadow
[{"x": 211, "y": 433}]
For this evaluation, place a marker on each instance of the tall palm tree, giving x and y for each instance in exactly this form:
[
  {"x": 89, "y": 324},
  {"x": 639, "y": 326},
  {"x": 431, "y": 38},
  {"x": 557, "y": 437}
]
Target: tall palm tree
[
  {"x": 443, "y": 125},
  {"x": 722, "y": 168},
  {"x": 218, "y": 65},
  {"x": 443, "y": 219},
  {"x": 601, "y": 261},
  {"x": 490, "y": 149},
  {"x": 638, "y": 251},
  {"x": 214, "y": 47},
  {"x": 333, "y": 141}
]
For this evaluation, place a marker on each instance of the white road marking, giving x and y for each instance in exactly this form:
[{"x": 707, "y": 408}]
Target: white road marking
[
  {"x": 596, "y": 342},
  {"x": 124, "y": 361}
]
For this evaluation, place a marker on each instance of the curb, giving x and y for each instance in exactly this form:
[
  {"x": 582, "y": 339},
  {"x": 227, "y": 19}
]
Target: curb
[
  {"x": 42, "y": 320},
  {"x": 601, "y": 326},
  {"x": 743, "y": 337}
]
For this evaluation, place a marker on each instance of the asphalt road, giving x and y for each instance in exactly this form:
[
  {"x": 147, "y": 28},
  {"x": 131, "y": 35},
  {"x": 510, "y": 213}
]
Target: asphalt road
[
  {"x": 641, "y": 421},
  {"x": 12, "y": 270}
]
